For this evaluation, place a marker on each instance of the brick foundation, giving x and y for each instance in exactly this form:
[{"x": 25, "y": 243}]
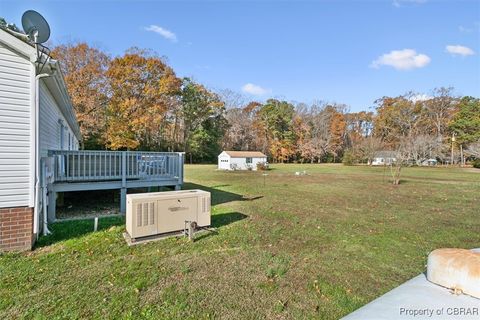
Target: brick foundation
[{"x": 16, "y": 229}]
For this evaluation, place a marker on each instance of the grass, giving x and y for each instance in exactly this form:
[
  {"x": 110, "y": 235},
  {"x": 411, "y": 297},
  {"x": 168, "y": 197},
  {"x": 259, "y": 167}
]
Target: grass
[{"x": 314, "y": 246}]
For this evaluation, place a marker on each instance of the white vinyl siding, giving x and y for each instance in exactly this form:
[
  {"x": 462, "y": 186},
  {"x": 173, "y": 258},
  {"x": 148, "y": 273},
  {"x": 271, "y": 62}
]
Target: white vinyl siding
[
  {"x": 226, "y": 162},
  {"x": 15, "y": 121},
  {"x": 51, "y": 122}
]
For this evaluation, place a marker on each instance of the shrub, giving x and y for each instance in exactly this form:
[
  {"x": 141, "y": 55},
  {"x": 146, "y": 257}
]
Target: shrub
[
  {"x": 476, "y": 163},
  {"x": 263, "y": 166},
  {"x": 348, "y": 158}
]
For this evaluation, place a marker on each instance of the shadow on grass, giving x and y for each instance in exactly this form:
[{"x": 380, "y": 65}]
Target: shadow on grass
[
  {"x": 63, "y": 230},
  {"x": 220, "y": 196},
  {"x": 76, "y": 228},
  {"x": 223, "y": 219},
  {"x": 220, "y": 220}
]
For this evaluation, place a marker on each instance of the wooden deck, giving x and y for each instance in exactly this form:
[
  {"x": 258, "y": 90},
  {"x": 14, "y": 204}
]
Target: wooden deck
[{"x": 99, "y": 170}]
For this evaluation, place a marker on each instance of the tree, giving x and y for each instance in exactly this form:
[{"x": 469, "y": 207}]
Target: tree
[
  {"x": 240, "y": 134},
  {"x": 274, "y": 122},
  {"x": 368, "y": 147},
  {"x": 359, "y": 127},
  {"x": 466, "y": 123},
  {"x": 205, "y": 141},
  {"x": 474, "y": 149},
  {"x": 198, "y": 105},
  {"x": 338, "y": 127},
  {"x": 142, "y": 88},
  {"x": 439, "y": 110},
  {"x": 11, "y": 26},
  {"x": 396, "y": 118},
  {"x": 84, "y": 68},
  {"x": 327, "y": 129},
  {"x": 397, "y": 125}
]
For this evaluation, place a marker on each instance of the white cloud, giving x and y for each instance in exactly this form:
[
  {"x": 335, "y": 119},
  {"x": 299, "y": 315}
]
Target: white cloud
[
  {"x": 475, "y": 27},
  {"x": 255, "y": 90},
  {"x": 464, "y": 29},
  {"x": 405, "y": 59},
  {"x": 399, "y": 3},
  {"x": 420, "y": 97},
  {"x": 459, "y": 50},
  {"x": 167, "y": 34}
]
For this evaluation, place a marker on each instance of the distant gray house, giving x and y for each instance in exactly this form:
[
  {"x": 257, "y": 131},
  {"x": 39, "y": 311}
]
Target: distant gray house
[
  {"x": 383, "y": 158},
  {"x": 429, "y": 162}
]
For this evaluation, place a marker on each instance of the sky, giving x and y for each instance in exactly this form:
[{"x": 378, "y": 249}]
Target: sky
[{"x": 351, "y": 52}]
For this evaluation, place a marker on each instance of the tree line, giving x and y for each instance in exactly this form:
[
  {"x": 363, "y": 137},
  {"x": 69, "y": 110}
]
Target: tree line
[{"x": 136, "y": 102}]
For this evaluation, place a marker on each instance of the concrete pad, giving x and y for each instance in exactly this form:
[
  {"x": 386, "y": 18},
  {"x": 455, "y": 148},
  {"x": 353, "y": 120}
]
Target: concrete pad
[
  {"x": 132, "y": 242},
  {"x": 419, "y": 299}
]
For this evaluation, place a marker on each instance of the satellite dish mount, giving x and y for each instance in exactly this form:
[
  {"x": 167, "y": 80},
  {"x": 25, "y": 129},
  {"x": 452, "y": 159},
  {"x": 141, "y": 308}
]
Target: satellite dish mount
[{"x": 38, "y": 31}]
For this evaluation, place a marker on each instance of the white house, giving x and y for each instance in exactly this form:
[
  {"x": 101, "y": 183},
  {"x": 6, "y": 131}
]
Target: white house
[
  {"x": 384, "y": 158},
  {"x": 240, "y": 160},
  {"x": 36, "y": 115},
  {"x": 429, "y": 162}
]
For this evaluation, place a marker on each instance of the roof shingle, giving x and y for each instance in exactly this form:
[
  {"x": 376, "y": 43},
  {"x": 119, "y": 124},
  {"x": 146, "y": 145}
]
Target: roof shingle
[{"x": 245, "y": 154}]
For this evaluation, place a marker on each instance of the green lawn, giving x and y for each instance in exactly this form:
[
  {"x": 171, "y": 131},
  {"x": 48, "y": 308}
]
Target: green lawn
[{"x": 313, "y": 246}]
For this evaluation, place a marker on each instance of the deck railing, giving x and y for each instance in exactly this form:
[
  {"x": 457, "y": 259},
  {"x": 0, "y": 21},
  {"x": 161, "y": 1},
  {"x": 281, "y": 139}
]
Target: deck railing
[{"x": 86, "y": 165}]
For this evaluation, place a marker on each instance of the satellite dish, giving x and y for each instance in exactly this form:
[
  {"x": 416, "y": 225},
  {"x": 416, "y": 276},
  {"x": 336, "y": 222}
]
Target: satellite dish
[{"x": 35, "y": 26}]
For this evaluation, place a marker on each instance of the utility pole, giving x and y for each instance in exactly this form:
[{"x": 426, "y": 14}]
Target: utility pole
[
  {"x": 462, "y": 159},
  {"x": 453, "y": 141}
]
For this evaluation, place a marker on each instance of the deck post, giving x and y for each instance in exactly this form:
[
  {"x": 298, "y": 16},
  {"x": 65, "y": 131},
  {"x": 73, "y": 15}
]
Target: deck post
[
  {"x": 52, "y": 203},
  {"x": 123, "y": 191},
  {"x": 123, "y": 200},
  {"x": 180, "y": 167}
]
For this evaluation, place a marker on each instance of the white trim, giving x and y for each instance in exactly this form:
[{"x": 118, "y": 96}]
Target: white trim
[
  {"x": 58, "y": 89},
  {"x": 18, "y": 45},
  {"x": 31, "y": 202}
]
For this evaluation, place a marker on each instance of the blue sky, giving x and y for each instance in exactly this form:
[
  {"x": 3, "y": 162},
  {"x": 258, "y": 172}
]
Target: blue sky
[{"x": 345, "y": 51}]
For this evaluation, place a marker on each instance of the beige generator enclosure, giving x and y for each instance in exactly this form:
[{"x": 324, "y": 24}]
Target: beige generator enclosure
[{"x": 150, "y": 214}]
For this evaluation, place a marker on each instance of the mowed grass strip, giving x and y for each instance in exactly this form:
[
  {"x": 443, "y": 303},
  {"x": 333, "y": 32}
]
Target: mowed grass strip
[{"x": 318, "y": 245}]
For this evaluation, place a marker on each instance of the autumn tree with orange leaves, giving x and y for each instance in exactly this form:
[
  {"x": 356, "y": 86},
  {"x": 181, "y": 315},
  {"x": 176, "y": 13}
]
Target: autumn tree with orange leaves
[
  {"x": 135, "y": 101},
  {"x": 84, "y": 68},
  {"x": 142, "y": 90}
]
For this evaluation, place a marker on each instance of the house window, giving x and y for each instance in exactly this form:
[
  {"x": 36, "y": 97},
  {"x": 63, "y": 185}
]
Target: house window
[
  {"x": 62, "y": 132},
  {"x": 249, "y": 160}
]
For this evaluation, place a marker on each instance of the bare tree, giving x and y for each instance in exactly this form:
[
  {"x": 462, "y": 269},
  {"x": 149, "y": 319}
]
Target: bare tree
[
  {"x": 368, "y": 147},
  {"x": 422, "y": 147},
  {"x": 439, "y": 110},
  {"x": 232, "y": 99},
  {"x": 473, "y": 149},
  {"x": 240, "y": 134}
]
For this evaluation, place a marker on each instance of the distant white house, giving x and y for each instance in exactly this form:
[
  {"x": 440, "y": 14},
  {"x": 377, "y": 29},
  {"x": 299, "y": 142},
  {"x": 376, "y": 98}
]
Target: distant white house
[
  {"x": 240, "y": 160},
  {"x": 36, "y": 115},
  {"x": 429, "y": 162},
  {"x": 384, "y": 158}
]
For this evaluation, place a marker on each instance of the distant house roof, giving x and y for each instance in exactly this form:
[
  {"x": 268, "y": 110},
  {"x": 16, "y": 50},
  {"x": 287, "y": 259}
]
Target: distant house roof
[
  {"x": 245, "y": 154},
  {"x": 385, "y": 154}
]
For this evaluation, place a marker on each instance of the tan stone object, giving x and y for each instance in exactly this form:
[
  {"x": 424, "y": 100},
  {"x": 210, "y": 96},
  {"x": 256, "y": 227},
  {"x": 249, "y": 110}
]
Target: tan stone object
[{"x": 455, "y": 269}]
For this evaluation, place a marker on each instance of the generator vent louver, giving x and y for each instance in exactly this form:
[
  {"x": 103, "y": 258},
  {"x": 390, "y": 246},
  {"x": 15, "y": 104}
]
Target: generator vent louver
[
  {"x": 150, "y": 214},
  {"x": 205, "y": 204},
  {"x": 145, "y": 214}
]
